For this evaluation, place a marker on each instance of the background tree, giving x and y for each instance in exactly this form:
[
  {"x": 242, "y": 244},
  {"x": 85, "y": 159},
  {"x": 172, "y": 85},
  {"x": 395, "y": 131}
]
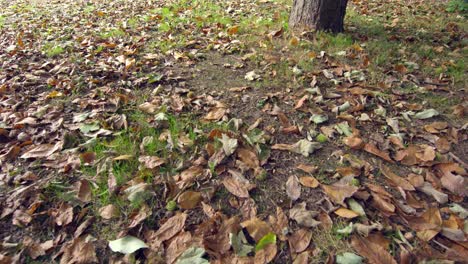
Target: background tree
[{"x": 326, "y": 15}]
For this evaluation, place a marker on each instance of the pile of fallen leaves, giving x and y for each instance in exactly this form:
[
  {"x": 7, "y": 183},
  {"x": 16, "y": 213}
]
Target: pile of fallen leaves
[{"x": 236, "y": 180}]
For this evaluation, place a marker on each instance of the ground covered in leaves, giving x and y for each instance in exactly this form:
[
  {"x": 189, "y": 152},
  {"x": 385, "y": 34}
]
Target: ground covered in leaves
[{"x": 206, "y": 131}]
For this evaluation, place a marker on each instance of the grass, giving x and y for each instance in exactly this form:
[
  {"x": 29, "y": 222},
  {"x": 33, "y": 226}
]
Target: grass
[
  {"x": 328, "y": 241},
  {"x": 52, "y": 50}
]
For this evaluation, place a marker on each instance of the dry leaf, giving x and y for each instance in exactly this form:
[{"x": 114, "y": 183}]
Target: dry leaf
[
  {"x": 371, "y": 148},
  {"x": 42, "y": 151},
  {"x": 256, "y": 228},
  {"x": 189, "y": 199},
  {"x": 299, "y": 240},
  {"x": 83, "y": 191},
  {"x": 373, "y": 252},
  {"x": 338, "y": 193},
  {"x": 80, "y": 250},
  {"x": 354, "y": 142},
  {"x": 293, "y": 189},
  {"x": 64, "y": 215},
  {"x": 109, "y": 211},
  {"x": 177, "y": 246},
  {"x": 397, "y": 180},
  {"x": 307, "y": 168},
  {"x": 151, "y": 162},
  {"x": 309, "y": 181},
  {"x": 236, "y": 187},
  {"x": 346, "y": 213},
  {"x": 302, "y": 216},
  {"x": 169, "y": 229}
]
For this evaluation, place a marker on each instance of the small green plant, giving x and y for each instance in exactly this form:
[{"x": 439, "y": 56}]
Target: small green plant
[
  {"x": 53, "y": 50},
  {"x": 460, "y": 6}
]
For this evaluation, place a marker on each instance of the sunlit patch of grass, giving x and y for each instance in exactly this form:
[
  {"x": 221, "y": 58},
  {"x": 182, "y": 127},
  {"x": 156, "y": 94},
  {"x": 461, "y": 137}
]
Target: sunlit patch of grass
[
  {"x": 52, "y": 50},
  {"x": 329, "y": 241},
  {"x": 112, "y": 33}
]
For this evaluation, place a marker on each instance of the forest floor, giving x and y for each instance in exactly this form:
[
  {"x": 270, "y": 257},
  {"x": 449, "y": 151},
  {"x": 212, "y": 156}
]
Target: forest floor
[{"x": 206, "y": 131}]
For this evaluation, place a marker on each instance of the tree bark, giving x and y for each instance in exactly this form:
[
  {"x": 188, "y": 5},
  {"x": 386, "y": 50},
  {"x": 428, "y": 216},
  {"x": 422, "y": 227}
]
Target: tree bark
[{"x": 326, "y": 15}]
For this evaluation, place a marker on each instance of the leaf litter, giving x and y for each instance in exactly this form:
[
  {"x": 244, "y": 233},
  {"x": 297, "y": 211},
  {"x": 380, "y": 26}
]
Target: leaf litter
[{"x": 121, "y": 133}]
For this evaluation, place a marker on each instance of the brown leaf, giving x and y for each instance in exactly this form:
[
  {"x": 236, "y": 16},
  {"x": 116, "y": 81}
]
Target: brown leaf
[
  {"x": 11, "y": 154},
  {"x": 349, "y": 171},
  {"x": 177, "y": 246},
  {"x": 280, "y": 223},
  {"x": 371, "y": 148},
  {"x": 293, "y": 189},
  {"x": 151, "y": 162},
  {"x": 236, "y": 187},
  {"x": 325, "y": 220},
  {"x": 338, "y": 193},
  {"x": 83, "y": 191},
  {"x": 216, "y": 114},
  {"x": 299, "y": 240},
  {"x": 257, "y": 228},
  {"x": 169, "y": 229},
  {"x": 88, "y": 157},
  {"x": 42, "y": 151},
  {"x": 80, "y": 250},
  {"x": 64, "y": 214},
  {"x": 33, "y": 248},
  {"x": 302, "y": 258},
  {"x": 189, "y": 199},
  {"x": 307, "y": 168},
  {"x": 109, "y": 211},
  {"x": 309, "y": 181},
  {"x": 302, "y": 216},
  {"x": 450, "y": 180},
  {"x": 266, "y": 255},
  {"x": 397, "y": 180},
  {"x": 354, "y": 142},
  {"x": 139, "y": 215},
  {"x": 148, "y": 108},
  {"x": 248, "y": 157},
  {"x": 346, "y": 213},
  {"x": 373, "y": 252}
]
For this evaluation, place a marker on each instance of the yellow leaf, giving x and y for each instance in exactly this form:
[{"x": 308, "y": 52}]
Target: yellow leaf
[{"x": 346, "y": 213}]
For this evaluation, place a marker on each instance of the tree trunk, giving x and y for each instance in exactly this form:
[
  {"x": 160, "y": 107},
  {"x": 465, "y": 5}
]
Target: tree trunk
[{"x": 326, "y": 15}]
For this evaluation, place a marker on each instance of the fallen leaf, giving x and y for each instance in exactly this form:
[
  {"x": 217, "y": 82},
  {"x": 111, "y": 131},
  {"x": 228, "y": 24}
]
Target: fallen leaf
[
  {"x": 80, "y": 250},
  {"x": 256, "y": 228},
  {"x": 127, "y": 245},
  {"x": 178, "y": 245},
  {"x": 229, "y": 144},
  {"x": 42, "y": 151},
  {"x": 373, "y": 252},
  {"x": 169, "y": 229},
  {"x": 338, "y": 193},
  {"x": 148, "y": 108},
  {"x": 426, "y": 114},
  {"x": 303, "y": 147},
  {"x": 397, "y": 180},
  {"x": 192, "y": 256},
  {"x": 307, "y": 168},
  {"x": 83, "y": 191},
  {"x": 109, "y": 211},
  {"x": 151, "y": 162},
  {"x": 371, "y": 148},
  {"x": 302, "y": 216},
  {"x": 293, "y": 189},
  {"x": 348, "y": 258},
  {"x": 346, "y": 213},
  {"x": 189, "y": 199},
  {"x": 309, "y": 181},
  {"x": 300, "y": 240},
  {"x": 236, "y": 187},
  {"x": 64, "y": 215}
]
